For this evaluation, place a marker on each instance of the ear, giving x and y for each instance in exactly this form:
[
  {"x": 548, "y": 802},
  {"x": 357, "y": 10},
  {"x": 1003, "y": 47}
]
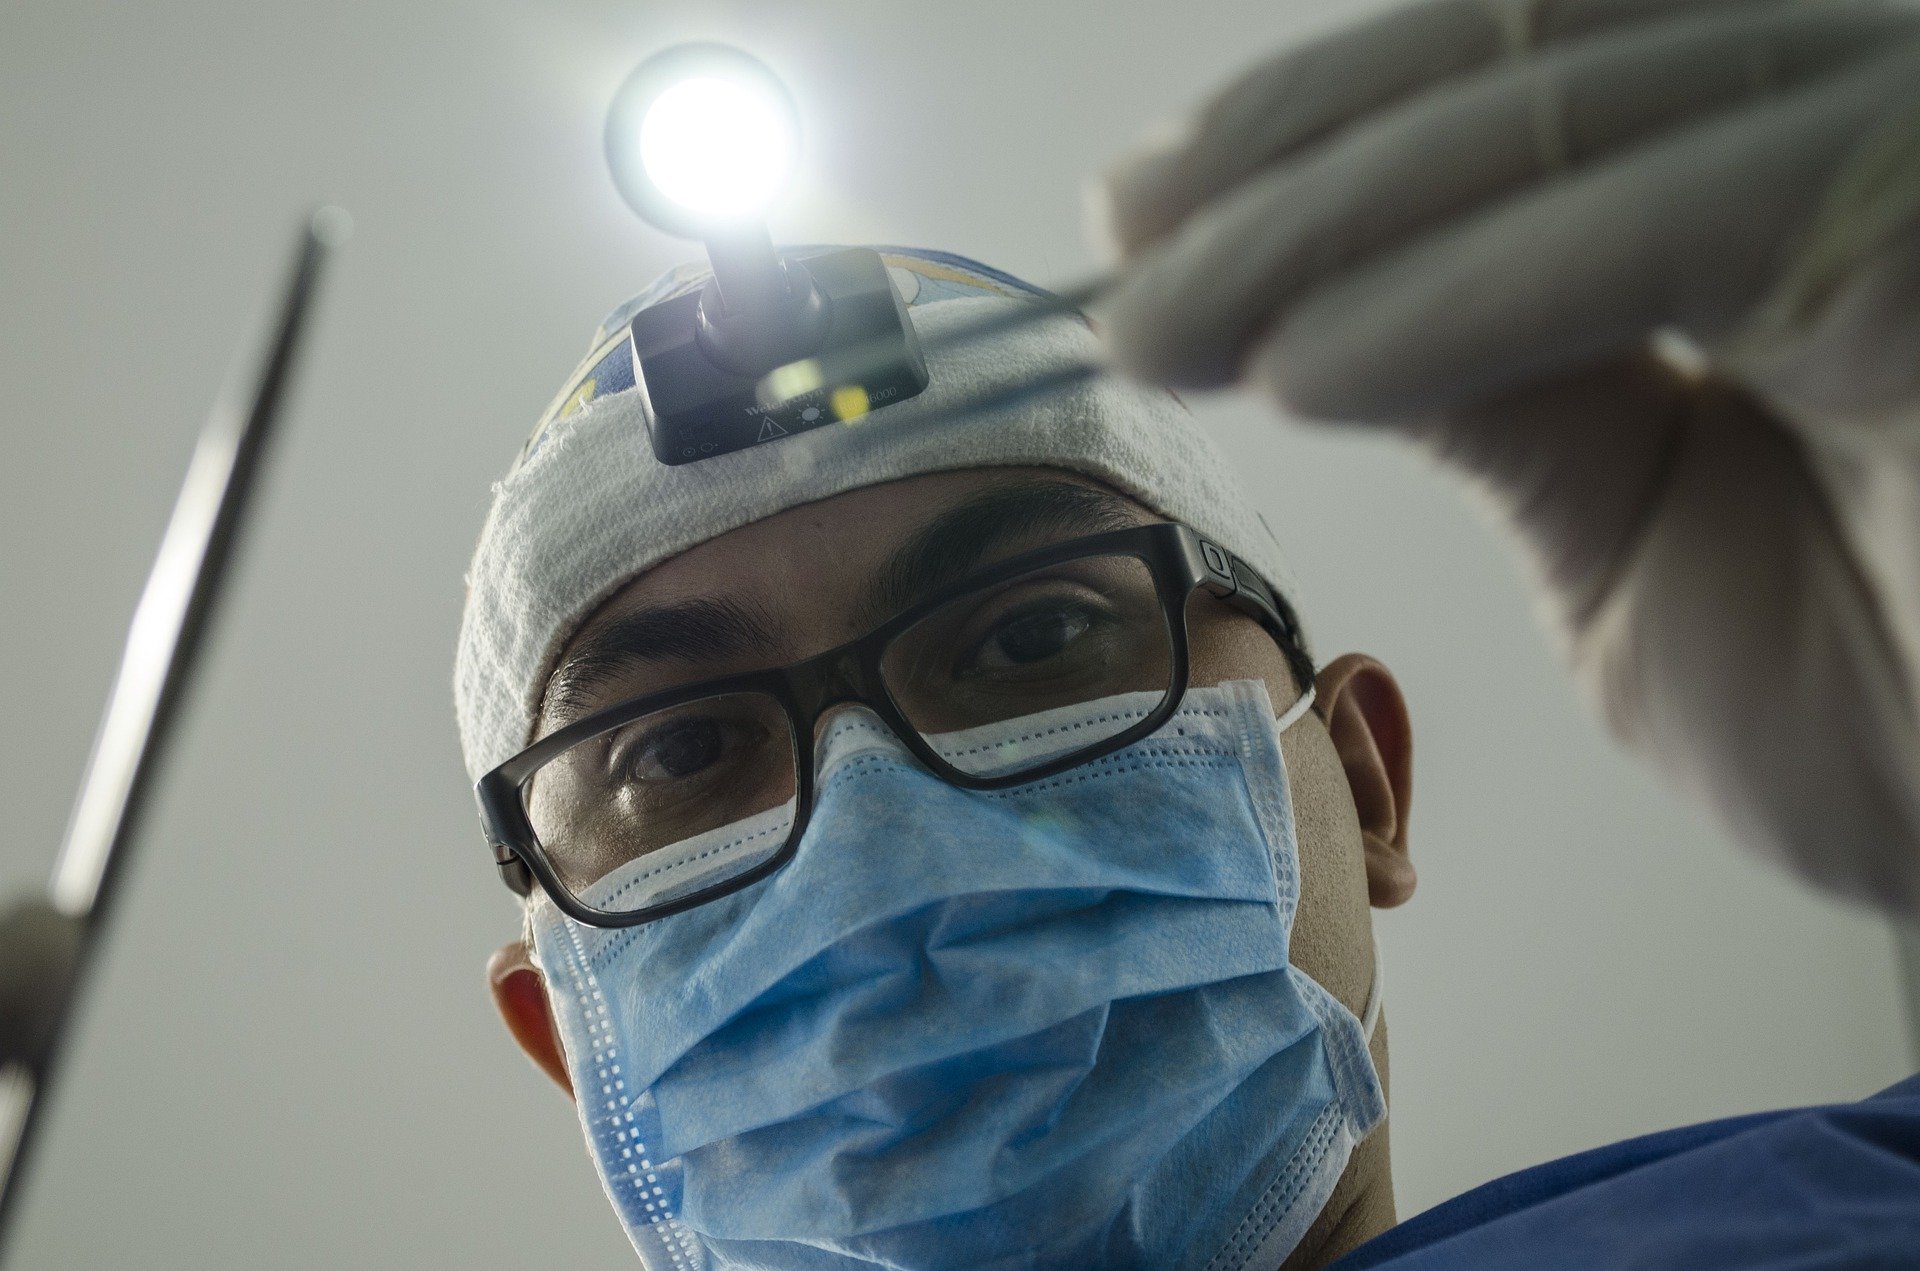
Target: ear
[
  {"x": 1367, "y": 719},
  {"x": 520, "y": 995}
]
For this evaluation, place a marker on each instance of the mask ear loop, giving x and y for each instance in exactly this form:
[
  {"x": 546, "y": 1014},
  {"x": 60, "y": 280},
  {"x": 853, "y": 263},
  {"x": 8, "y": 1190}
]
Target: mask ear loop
[
  {"x": 1370, "y": 1013},
  {"x": 1295, "y": 711}
]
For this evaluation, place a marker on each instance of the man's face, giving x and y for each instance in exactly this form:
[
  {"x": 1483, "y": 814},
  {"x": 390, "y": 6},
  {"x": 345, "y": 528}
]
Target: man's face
[{"x": 807, "y": 577}]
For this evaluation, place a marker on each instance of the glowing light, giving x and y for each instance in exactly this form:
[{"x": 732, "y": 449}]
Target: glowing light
[
  {"x": 720, "y": 148},
  {"x": 850, "y": 403},
  {"x": 795, "y": 379}
]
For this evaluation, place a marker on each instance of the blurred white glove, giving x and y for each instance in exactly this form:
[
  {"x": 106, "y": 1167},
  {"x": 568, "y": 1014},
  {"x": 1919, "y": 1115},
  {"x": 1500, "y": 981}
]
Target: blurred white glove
[{"x": 1472, "y": 222}]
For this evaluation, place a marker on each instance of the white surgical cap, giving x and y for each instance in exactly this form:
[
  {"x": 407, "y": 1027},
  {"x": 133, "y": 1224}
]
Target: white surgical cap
[{"x": 587, "y": 506}]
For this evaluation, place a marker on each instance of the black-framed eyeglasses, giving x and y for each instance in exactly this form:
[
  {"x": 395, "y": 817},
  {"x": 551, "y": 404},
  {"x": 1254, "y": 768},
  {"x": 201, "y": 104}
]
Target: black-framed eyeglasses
[{"x": 659, "y": 775}]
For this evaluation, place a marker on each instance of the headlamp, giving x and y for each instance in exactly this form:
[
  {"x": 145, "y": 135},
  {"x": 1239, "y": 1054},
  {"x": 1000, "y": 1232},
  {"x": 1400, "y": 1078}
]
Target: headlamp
[{"x": 701, "y": 138}]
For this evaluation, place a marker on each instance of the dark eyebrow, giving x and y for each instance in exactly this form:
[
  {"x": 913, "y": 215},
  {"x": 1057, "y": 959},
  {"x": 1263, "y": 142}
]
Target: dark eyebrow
[
  {"x": 690, "y": 631},
  {"x": 1029, "y": 511},
  {"x": 1026, "y": 512}
]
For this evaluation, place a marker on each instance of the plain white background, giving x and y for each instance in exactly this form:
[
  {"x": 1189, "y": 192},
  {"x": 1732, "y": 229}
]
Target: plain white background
[{"x": 289, "y": 1059}]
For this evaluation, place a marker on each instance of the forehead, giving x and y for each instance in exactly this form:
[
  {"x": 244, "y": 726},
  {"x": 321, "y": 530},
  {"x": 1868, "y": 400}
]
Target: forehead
[
  {"x": 812, "y": 557},
  {"x": 810, "y": 569}
]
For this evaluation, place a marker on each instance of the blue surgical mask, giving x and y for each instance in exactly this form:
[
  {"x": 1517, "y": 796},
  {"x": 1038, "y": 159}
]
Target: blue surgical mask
[{"x": 1048, "y": 1026}]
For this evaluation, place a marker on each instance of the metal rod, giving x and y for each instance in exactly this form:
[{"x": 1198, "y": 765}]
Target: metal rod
[
  {"x": 746, "y": 270},
  {"x": 162, "y": 653},
  {"x": 1002, "y": 396},
  {"x": 872, "y": 358}
]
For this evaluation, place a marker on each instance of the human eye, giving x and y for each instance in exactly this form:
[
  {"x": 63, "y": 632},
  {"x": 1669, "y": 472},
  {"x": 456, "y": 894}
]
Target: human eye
[
  {"x": 1066, "y": 633},
  {"x": 1037, "y": 631},
  {"x": 684, "y": 752},
  {"x": 1033, "y": 631}
]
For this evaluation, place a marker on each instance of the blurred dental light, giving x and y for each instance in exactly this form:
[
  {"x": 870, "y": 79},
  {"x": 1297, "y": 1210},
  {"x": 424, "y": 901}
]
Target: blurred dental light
[
  {"x": 719, "y": 148},
  {"x": 701, "y": 138}
]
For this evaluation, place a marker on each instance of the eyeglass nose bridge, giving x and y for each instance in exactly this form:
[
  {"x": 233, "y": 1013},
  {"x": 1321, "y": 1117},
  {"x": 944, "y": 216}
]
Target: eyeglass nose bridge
[{"x": 840, "y": 678}]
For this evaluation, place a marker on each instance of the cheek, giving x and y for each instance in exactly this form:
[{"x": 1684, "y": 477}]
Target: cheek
[
  {"x": 1223, "y": 645},
  {"x": 1332, "y": 934}
]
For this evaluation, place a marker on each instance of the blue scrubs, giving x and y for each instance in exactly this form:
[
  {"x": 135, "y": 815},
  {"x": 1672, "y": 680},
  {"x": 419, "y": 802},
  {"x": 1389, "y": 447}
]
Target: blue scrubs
[{"x": 1837, "y": 1186}]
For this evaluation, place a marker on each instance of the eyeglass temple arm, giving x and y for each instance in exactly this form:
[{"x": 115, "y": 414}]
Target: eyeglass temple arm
[
  {"x": 1252, "y": 595},
  {"x": 1240, "y": 585},
  {"x": 495, "y": 820},
  {"x": 513, "y": 871}
]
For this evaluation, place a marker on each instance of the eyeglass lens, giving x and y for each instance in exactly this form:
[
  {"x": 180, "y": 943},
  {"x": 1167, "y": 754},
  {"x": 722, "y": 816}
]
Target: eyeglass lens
[
  {"x": 1061, "y": 636},
  {"x": 659, "y": 789}
]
